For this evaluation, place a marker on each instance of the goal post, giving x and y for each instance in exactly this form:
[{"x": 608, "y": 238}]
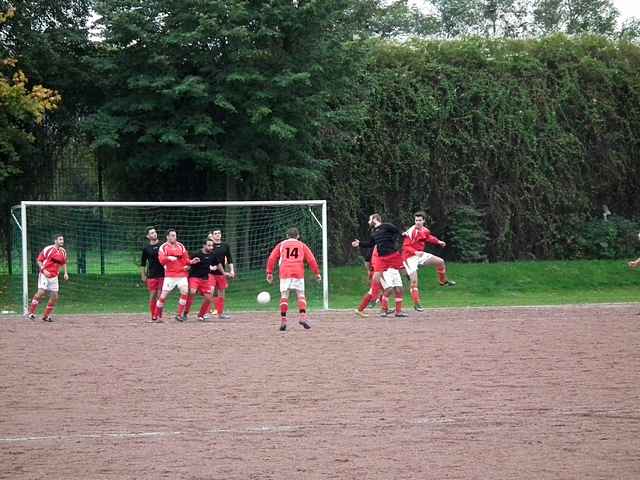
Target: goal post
[{"x": 104, "y": 241}]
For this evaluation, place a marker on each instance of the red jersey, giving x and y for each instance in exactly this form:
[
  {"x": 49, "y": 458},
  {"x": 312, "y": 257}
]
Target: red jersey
[
  {"x": 415, "y": 240},
  {"x": 291, "y": 255},
  {"x": 52, "y": 258},
  {"x": 174, "y": 268}
]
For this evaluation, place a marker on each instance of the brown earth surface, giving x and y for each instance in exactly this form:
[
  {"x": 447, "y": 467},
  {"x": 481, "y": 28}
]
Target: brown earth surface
[{"x": 531, "y": 393}]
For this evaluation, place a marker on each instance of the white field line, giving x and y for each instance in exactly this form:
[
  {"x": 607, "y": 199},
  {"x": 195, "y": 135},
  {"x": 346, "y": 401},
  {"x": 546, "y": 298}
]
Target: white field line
[
  {"x": 435, "y": 420},
  {"x": 125, "y": 435}
]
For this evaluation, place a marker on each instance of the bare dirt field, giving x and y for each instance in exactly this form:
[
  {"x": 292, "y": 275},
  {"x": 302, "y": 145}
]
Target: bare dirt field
[{"x": 531, "y": 393}]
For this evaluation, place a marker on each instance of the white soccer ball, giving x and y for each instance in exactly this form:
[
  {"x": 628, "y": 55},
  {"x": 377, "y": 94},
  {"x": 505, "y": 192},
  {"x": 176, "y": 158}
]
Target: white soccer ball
[{"x": 264, "y": 297}]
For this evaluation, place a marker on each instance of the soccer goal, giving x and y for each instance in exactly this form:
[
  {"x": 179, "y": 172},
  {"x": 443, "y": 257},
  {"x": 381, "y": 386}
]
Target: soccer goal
[{"x": 104, "y": 242}]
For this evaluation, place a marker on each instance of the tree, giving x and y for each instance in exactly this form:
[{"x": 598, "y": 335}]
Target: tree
[
  {"x": 576, "y": 16},
  {"x": 47, "y": 39},
  {"x": 50, "y": 41},
  {"x": 524, "y": 18},
  {"x": 225, "y": 98},
  {"x": 20, "y": 107},
  {"x": 630, "y": 29}
]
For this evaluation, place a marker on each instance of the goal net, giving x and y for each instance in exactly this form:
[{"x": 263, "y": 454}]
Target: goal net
[{"x": 104, "y": 242}]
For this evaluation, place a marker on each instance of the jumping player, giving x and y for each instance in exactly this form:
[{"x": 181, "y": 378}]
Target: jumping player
[
  {"x": 219, "y": 277},
  {"x": 151, "y": 271},
  {"x": 414, "y": 256},
  {"x": 290, "y": 254},
  {"x": 387, "y": 263},
  {"x": 175, "y": 259},
  {"x": 202, "y": 265},
  {"x": 50, "y": 260}
]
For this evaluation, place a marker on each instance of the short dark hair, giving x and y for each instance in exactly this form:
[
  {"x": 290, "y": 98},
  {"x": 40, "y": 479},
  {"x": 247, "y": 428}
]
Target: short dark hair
[
  {"x": 148, "y": 229},
  {"x": 57, "y": 235},
  {"x": 216, "y": 230},
  {"x": 293, "y": 232},
  {"x": 420, "y": 213},
  {"x": 376, "y": 216},
  {"x": 171, "y": 230}
]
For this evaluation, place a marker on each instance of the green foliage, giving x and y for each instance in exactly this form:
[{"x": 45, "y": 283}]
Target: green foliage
[
  {"x": 615, "y": 238},
  {"x": 49, "y": 40},
  {"x": 467, "y": 234},
  {"x": 524, "y": 18},
  {"x": 22, "y": 107},
  {"x": 230, "y": 90},
  {"x": 536, "y": 134}
]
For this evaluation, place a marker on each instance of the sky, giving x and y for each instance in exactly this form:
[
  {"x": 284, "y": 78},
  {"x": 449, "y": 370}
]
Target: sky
[{"x": 627, "y": 8}]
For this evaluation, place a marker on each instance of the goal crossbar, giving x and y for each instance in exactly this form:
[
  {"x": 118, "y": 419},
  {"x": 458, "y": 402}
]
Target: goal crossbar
[{"x": 274, "y": 203}]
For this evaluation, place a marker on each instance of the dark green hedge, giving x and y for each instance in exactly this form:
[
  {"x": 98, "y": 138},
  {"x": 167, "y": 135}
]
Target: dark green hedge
[{"x": 535, "y": 136}]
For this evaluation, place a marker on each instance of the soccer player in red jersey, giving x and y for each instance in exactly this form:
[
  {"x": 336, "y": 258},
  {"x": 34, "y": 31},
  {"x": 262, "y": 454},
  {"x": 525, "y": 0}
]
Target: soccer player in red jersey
[
  {"x": 387, "y": 263},
  {"x": 175, "y": 259},
  {"x": 219, "y": 277},
  {"x": 414, "y": 256},
  {"x": 151, "y": 271},
  {"x": 290, "y": 255},
  {"x": 50, "y": 260},
  {"x": 202, "y": 265}
]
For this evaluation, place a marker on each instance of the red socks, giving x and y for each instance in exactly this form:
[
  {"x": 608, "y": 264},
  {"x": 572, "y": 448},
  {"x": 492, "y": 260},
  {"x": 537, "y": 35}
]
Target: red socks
[
  {"x": 34, "y": 306},
  {"x": 159, "y": 308},
  {"x": 49, "y": 309},
  {"x": 384, "y": 303},
  {"x": 187, "y": 307},
  {"x": 182, "y": 304},
  {"x": 365, "y": 301},
  {"x": 284, "y": 306},
  {"x": 398, "y": 304},
  {"x": 415, "y": 295},
  {"x": 442, "y": 274},
  {"x": 204, "y": 308},
  {"x": 152, "y": 306},
  {"x": 219, "y": 304},
  {"x": 302, "y": 304}
]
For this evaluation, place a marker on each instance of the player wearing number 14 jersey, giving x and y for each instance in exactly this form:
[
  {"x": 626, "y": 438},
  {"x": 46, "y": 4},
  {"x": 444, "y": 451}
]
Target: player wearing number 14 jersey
[{"x": 290, "y": 255}]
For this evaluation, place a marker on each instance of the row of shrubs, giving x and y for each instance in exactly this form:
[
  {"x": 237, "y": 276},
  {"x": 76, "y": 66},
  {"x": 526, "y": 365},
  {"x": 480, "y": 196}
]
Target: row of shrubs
[{"x": 613, "y": 238}]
